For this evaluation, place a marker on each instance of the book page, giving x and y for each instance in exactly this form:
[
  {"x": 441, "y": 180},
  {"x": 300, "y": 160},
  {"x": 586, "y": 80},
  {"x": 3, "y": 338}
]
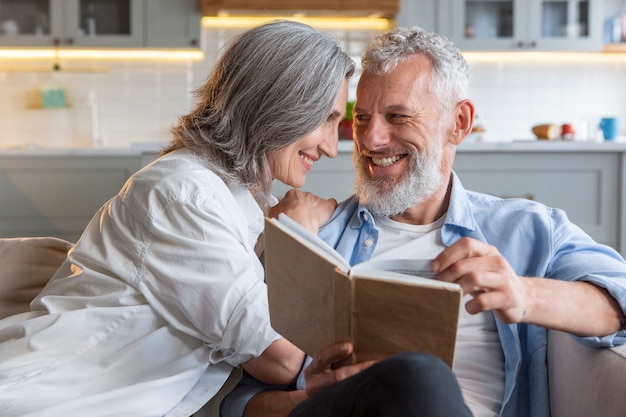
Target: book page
[
  {"x": 401, "y": 270},
  {"x": 313, "y": 242}
]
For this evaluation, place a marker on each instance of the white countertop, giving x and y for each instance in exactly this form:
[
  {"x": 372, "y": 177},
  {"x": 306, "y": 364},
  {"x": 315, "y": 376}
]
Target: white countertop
[
  {"x": 64, "y": 152},
  {"x": 344, "y": 147},
  {"x": 528, "y": 146},
  {"x": 544, "y": 146}
]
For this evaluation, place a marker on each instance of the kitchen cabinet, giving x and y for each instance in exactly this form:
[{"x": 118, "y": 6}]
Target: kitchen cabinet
[
  {"x": 100, "y": 23},
  {"x": 172, "y": 24},
  {"x": 386, "y": 8},
  {"x": 523, "y": 25},
  {"x": 72, "y": 23},
  {"x": 423, "y": 13},
  {"x": 57, "y": 195},
  {"x": 585, "y": 185},
  {"x": 585, "y": 180}
]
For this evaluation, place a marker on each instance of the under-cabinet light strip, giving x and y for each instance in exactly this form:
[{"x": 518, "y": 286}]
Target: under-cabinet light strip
[
  {"x": 546, "y": 56},
  {"x": 102, "y": 54},
  {"x": 237, "y": 22}
]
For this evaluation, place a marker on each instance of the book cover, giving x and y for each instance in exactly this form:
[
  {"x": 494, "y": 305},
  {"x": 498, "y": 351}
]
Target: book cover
[{"x": 383, "y": 307}]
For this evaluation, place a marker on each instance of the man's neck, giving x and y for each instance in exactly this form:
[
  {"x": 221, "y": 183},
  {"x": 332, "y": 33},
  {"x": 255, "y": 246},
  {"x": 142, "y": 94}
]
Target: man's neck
[{"x": 427, "y": 211}]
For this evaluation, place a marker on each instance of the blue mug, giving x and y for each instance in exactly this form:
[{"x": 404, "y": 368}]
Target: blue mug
[{"x": 610, "y": 127}]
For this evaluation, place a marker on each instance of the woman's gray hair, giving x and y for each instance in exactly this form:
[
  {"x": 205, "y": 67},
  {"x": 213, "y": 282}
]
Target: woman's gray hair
[
  {"x": 450, "y": 78},
  {"x": 272, "y": 85}
]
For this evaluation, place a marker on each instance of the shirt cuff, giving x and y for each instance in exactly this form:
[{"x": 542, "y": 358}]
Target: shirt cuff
[{"x": 235, "y": 403}]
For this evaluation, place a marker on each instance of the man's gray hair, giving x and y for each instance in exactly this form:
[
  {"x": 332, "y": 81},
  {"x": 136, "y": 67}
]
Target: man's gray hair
[
  {"x": 450, "y": 78},
  {"x": 272, "y": 85}
]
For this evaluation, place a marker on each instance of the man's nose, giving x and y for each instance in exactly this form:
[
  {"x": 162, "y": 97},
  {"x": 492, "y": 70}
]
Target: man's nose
[{"x": 374, "y": 134}]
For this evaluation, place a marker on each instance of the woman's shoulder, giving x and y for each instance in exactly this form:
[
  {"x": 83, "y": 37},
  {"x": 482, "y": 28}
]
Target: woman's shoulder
[{"x": 178, "y": 177}]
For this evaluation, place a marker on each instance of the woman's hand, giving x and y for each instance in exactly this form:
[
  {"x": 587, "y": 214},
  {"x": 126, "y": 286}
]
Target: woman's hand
[
  {"x": 308, "y": 209},
  {"x": 320, "y": 373}
]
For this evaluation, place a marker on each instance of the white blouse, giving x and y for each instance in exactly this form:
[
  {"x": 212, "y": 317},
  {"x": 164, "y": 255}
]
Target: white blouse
[{"x": 162, "y": 296}]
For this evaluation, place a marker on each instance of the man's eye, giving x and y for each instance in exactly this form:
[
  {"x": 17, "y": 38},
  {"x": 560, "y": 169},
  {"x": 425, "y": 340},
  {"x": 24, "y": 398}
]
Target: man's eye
[
  {"x": 398, "y": 118},
  {"x": 360, "y": 120}
]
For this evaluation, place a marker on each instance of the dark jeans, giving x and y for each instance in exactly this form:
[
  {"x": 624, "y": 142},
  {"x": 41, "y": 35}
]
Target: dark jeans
[{"x": 408, "y": 384}]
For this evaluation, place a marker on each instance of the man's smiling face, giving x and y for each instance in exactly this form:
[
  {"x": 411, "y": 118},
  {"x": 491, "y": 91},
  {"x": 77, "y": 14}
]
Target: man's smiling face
[{"x": 400, "y": 139}]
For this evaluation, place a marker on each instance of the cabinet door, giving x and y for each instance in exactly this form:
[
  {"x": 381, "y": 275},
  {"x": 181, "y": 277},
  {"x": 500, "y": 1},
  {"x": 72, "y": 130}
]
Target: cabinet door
[
  {"x": 57, "y": 195},
  {"x": 421, "y": 13},
  {"x": 102, "y": 23},
  {"x": 518, "y": 25},
  {"x": 567, "y": 25},
  {"x": 585, "y": 185},
  {"x": 71, "y": 23},
  {"x": 26, "y": 23},
  {"x": 488, "y": 24},
  {"x": 172, "y": 24}
]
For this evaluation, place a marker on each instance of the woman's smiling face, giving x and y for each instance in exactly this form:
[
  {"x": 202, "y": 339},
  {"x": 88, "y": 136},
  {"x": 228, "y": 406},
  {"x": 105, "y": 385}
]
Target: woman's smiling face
[{"x": 291, "y": 164}]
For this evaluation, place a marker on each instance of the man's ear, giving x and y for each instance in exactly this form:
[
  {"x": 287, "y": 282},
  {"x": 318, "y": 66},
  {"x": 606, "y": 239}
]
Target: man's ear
[{"x": 463, "y": 121}]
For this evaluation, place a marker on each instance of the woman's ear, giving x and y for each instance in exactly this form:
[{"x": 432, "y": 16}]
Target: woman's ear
[{"x": 463, "y": 121}]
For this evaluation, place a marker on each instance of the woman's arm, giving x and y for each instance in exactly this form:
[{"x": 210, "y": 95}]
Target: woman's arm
[{"x": 279, "y": 364}]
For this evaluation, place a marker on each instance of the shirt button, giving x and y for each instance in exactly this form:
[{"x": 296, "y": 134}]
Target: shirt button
[
  {"x": 369, "y": 242},
  {"x": 366, "y": 217}
]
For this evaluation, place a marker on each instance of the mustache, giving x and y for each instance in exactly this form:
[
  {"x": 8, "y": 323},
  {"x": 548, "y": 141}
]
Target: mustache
[{"x": 381, "y": 152}]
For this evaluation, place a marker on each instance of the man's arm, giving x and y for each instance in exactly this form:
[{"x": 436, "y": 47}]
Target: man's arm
[{"x": 580, "y": 308}]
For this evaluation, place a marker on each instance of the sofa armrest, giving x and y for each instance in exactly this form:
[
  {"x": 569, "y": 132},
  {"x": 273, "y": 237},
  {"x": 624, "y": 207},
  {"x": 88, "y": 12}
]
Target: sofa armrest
[
  {"x": 585, "y": 381},
  {"x": 26, "y": 265}
]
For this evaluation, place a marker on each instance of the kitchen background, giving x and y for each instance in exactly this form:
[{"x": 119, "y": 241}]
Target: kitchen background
[{"x": 117, "y": 103}]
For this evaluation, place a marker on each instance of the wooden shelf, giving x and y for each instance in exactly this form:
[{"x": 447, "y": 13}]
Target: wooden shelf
[{"x": 382, "y": 8}]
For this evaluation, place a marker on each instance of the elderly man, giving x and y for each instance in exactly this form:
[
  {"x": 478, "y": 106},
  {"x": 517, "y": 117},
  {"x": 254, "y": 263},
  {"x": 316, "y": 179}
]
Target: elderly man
[{"x": 523, "y": 267}]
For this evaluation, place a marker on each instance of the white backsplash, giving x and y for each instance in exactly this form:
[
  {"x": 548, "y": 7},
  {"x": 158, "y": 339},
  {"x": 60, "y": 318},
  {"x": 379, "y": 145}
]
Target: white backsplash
[{"x": 137, "y": 101}]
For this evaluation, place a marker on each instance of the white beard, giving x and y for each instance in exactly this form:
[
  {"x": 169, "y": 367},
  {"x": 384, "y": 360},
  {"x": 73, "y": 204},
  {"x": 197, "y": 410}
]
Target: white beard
[{"x": 388, "y": 196}]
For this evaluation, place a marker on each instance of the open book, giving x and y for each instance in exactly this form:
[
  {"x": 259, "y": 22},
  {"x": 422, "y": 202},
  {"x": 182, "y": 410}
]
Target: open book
[{"x": 383, "y": 307}]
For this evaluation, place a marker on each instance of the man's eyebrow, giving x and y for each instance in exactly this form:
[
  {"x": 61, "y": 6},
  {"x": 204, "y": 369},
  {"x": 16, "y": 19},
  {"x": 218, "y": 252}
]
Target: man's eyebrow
[
  {"x": 397, "y": 107},
  {"x": 390, "y": 108}
]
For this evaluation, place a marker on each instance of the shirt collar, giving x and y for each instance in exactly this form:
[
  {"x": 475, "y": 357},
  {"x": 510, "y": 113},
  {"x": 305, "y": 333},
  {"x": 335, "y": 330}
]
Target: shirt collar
[{"x": 459, "y": 211}]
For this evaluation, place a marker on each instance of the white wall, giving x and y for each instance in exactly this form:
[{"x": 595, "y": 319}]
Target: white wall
[
  {"x": 511, "y": 97},
  {"x": 139, "y": 100}
]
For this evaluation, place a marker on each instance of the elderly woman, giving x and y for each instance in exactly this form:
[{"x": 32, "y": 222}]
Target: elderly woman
[{"x": 163, "y": 295}]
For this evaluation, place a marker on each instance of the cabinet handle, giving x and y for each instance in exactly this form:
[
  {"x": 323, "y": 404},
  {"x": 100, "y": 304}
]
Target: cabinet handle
[
  {"x": 520, "y": 44},
  {"x": 533, "y": 44},
  {"x": 70, "y": 41},
  {"x": 56, "y": 41},
  {"x": 193, "y": 42}
]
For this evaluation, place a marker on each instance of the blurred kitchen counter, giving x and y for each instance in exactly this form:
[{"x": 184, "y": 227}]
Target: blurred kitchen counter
[
  {"x": 544, "y": 146},
  {"x": 528, "y": 146},
  {"x": 57, "y": 191}
]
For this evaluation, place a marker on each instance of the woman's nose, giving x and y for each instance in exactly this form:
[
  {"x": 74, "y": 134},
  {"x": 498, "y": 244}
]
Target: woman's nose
[{"x": 329, "y": 145}]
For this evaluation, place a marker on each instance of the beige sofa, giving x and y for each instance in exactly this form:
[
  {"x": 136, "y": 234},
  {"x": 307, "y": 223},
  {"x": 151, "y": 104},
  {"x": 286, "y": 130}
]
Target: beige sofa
[{"x": 584, "y": 382}]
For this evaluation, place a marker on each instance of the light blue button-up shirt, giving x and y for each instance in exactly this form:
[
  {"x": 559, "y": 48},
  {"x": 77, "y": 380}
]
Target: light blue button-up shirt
[{"x": 537, "y": 241}]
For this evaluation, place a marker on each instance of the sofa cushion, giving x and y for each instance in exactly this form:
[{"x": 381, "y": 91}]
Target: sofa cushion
[{"x": 26, "y": 265}]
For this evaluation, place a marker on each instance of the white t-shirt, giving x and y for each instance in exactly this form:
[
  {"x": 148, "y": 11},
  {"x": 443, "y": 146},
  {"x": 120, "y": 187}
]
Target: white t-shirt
[
  {"x": 164, "y": 295},
  {"x": 479, "y": 360}
]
